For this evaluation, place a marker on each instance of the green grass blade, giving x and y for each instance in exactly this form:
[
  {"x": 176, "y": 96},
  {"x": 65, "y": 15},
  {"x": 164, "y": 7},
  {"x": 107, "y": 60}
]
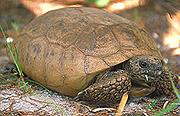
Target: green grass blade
[
  {"x": 169, "y": 108},
  {"x": 13, "y": 54}
]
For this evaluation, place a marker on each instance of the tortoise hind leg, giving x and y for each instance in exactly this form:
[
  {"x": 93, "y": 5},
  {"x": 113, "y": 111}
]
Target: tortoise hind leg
[
  {"x": 107, "y": 89},
  {"x": 8, "y": 68}
]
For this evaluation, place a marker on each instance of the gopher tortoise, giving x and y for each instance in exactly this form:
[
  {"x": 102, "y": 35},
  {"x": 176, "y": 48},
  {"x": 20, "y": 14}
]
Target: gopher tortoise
[{"x": 92, "y": 54}]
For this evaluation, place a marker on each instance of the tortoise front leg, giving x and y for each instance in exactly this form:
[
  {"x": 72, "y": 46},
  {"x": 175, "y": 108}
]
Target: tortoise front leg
[
  {"x": 107, "y": 89},
  {"x": 163, "y": 84}
]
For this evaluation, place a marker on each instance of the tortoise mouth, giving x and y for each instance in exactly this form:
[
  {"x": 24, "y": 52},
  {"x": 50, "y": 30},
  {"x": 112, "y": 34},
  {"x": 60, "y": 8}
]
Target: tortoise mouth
[
  {"x": 139, "y": 83},
  {"x": 140, "y": 88}
]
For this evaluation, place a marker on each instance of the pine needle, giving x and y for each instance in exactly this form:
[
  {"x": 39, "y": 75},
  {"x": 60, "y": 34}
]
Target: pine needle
[{"x": 122, "y": 104}]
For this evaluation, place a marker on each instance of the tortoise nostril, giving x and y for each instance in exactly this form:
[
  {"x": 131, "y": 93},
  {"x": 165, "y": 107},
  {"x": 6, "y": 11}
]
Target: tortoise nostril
[{"x": 155, "y": 59}]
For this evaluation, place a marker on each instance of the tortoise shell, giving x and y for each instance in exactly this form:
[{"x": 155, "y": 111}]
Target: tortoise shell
[{"x": 65, "y": 49}]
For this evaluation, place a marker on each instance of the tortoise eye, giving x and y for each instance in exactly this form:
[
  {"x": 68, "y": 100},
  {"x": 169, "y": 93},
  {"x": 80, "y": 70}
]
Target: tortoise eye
[{"x": 143, "y": 64}]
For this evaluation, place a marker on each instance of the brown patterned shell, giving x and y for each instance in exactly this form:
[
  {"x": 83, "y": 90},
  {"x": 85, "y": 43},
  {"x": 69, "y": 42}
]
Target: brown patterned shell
[{"x": 64, "y": 49}]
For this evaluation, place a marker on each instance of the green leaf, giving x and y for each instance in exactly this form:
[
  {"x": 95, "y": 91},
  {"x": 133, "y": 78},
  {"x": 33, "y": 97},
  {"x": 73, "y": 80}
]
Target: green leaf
[{"x": 99, "y": 3}]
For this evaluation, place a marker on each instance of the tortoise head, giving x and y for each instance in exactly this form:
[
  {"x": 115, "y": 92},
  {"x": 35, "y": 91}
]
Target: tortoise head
[
  {"x": 144, "y": 68},
  {"x": 143, "y": 71}
]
